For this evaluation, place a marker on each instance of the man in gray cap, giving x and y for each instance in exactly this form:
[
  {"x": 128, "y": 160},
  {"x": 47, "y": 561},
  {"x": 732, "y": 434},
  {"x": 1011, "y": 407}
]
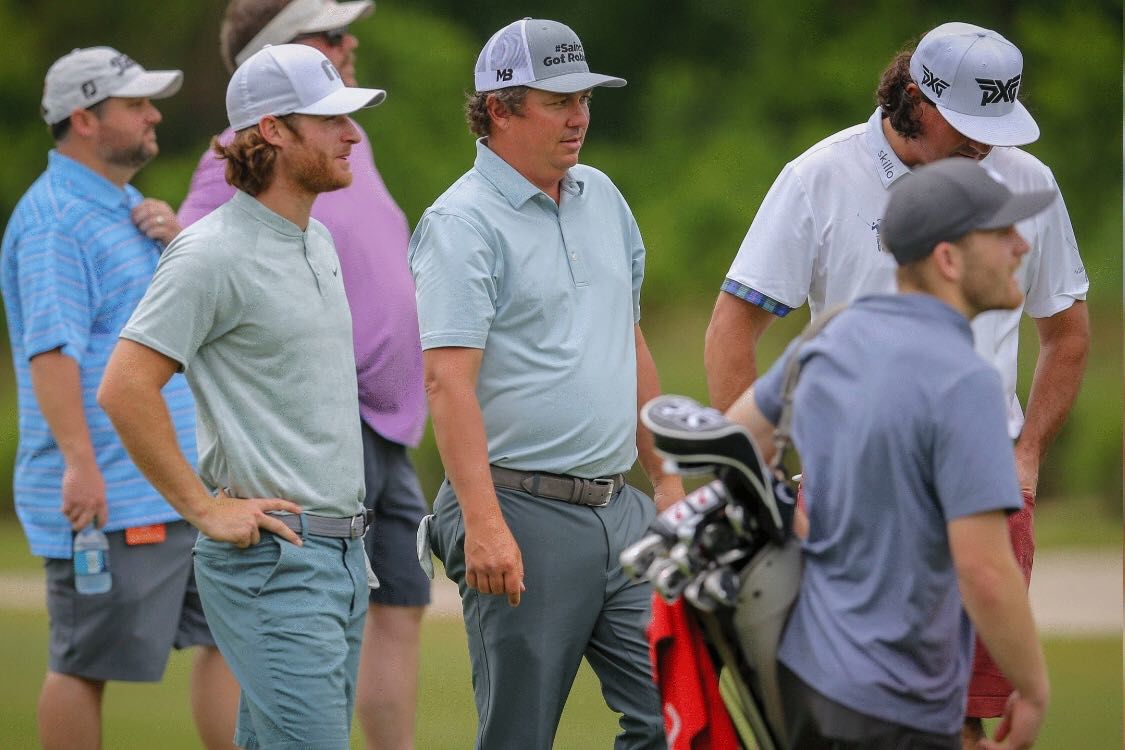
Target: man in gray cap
[
  {"x": 249, "y": 303},
  {"x": 528, "y": 271},
  {"x": 78, "y": 253},
  {"x": 909, "y": 476},
  {"x": 818, "y": 236},
  {"x": 370, "y": 233}
]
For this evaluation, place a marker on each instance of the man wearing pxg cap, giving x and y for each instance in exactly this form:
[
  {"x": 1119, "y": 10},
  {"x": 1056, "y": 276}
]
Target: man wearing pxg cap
[
  {"x": 818, "y": 236},
  {"x": 77, "y": 255},
  {"x": 249, "y": 302},
  {"x": 370, "y": 233},
  {"x": 909, "y": 473},
  {"x": 528, "y": 271}
]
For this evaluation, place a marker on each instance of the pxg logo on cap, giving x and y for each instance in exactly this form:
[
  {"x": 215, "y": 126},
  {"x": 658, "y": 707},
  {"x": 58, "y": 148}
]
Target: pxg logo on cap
[
  {"x": 973, "y": 76},
  {"x": 542, "y": 54}
]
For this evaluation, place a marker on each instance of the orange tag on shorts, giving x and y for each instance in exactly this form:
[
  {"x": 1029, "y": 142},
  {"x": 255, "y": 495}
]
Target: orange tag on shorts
[{"x": 154, "y": 534}]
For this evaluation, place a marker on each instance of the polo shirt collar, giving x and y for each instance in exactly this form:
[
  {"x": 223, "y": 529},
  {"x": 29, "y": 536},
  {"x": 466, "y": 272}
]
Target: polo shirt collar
[
  {"x": 927, "y": 306},
  {"x": 884, "y": 159},
  {"x": 264, "y": 215},
  {"x": 515, "y": 188},
  {"x": 83, "y": 181}
]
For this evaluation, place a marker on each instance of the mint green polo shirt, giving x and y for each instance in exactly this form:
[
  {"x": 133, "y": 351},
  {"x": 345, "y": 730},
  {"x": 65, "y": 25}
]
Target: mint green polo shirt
[
  {"x": 254, "y": 311},
  {"x": 551, "y": 293}
]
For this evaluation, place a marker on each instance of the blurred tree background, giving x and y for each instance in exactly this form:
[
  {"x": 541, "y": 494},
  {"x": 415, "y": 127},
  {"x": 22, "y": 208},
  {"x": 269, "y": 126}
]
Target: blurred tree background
[{"x": 721, "y": 95}]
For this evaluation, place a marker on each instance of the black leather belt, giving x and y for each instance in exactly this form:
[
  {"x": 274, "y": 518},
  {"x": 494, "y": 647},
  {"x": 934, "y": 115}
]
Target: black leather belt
[
  {"x": 342, "y": 528},
  {"x": 593, "y": 492}
]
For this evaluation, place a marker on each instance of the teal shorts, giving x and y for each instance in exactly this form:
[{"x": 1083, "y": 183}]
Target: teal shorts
[{"x": 289, "y": 621}]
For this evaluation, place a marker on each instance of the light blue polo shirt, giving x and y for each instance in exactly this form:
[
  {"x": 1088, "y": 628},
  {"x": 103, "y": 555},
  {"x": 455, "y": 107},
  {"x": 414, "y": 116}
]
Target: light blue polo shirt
[
  {"x": 551, "y": 293},
  {"x": 901, "y": 428},
  {"x": 72, "y": 268}
]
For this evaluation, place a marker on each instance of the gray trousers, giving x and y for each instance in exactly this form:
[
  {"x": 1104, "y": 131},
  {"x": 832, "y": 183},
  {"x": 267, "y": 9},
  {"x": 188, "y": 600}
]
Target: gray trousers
[{"x": 578, "y": 603}]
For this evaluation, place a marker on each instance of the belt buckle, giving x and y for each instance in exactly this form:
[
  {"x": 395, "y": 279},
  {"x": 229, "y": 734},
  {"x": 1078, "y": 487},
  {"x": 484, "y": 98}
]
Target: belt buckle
[
  {"x": 358, "y": 525},
  {"x": 607, "y": 484}
]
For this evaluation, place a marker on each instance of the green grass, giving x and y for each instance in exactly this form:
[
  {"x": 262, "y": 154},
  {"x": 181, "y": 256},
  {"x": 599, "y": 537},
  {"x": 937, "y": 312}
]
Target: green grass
[{"x": 1085, "y": 712}]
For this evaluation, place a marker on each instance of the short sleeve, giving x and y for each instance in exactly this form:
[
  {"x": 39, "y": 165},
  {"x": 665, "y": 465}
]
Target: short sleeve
[
  {"x": 778, "y": 254},
  {"x": 57, "y": 291},
  {"x": 974, "y": 466},
  {"x": 637, "y": 248},
  {"x": 1059, "y": 277},
  {"x": 208, "y": 189},
  {"x": 456, "y": 278},
  {"x": 181, "y": 309}
]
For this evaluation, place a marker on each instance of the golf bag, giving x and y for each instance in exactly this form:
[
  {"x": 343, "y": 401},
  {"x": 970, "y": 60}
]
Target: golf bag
[{"x": 726, "y": 549}]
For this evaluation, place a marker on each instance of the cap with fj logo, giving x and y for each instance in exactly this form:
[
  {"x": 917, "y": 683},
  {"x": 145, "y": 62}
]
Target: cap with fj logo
[
  {"x": 542, "y": 54},
  {"x": 291, "y": 79},
  {"x": 973, "y": 76},
  {"x": 87, "y": 76}
]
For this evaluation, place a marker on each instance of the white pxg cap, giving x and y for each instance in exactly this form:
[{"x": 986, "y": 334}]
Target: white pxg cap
[
  {"x": 305, "y": 17},
  {"x": 542, "y": 54},
  {"x": 973, "y": 77},
  {"x": 87, "y": 76},
  {"x": 292, "y": 79}
]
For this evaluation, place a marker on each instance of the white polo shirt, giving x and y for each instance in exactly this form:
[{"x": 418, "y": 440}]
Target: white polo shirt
[{"x": 816, "y": 237}]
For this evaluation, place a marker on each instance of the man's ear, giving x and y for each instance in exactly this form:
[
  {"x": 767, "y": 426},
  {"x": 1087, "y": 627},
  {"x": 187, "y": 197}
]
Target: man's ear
[
  {"x": 497, "y": 112},
  {"x": 272, "y": 130},
  {"x": 83, "y": 122},
  {"x": 948, "y": 261}
]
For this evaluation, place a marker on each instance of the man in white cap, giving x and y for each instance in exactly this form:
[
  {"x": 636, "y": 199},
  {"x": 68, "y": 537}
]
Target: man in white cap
[
  {"x": 902, "y": 432},
  {"x": 370, "y": 233},
  {"x": 817, "y": 236},
  {"x": 249, "y": 303},
  {"x": 78, "y": 253},
  {"x": 528, "y": 271}
]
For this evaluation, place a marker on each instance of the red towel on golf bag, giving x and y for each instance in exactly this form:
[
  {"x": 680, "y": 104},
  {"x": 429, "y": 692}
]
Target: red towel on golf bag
[{"x": 694, "y": 715}]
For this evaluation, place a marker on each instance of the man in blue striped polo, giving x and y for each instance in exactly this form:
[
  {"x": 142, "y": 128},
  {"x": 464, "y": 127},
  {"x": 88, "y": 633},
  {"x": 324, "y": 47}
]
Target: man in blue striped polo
[{"x": 77, "y": 255}]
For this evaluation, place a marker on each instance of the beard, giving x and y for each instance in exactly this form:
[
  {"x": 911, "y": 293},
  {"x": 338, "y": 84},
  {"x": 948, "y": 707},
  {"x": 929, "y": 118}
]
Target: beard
[
  {"x": 130, "y": 157},
  {"x": 317, "y": 173}
]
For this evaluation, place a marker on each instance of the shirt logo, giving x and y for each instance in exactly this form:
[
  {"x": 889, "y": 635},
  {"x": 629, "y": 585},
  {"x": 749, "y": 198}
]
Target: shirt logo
[
  {"x": 504, "y": 74},
  {"x": 937, "y": 85},
  {"x": 874, "y": 225},
  {"x": 994, "y": 90}
]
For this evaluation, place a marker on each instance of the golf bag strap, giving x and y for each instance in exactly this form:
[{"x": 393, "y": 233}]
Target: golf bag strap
[
  {"x": 751, "y": 710},
  {"x": 782, "y": 436}
]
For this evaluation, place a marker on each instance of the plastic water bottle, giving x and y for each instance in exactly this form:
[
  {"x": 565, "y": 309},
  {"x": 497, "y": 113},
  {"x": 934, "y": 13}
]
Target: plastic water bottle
[{"x": 91, "y": 561}]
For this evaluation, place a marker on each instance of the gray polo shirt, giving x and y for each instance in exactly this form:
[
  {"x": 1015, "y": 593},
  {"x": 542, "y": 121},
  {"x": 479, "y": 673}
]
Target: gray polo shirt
[
  {"x": 254, "y": 311},
  {"x": 551, "y": 293},
  {"x": 901, "y": 428}
]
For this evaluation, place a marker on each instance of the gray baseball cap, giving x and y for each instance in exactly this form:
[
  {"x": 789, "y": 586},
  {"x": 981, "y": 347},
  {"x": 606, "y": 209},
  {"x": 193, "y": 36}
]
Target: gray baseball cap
[
  {"x": 291, "y": 79},
  {"x": 945, "y": 200},
  {"x": 542, "y": 54},
  {"x": 84, "y": 77},
  {"x": 973, "y": 76},
  {"x": 305, "y": 17}
]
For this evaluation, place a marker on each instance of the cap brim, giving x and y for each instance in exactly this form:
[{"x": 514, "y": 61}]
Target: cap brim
[
  {"x": 570, "y": 83},
  {"x": 344, "y": 101},
  {"x": 338, "y": 15},
  {"x": 153, "y": 84},
  {"x": 1019, "y": 207},
  {"x": 1017, "y": 128}
]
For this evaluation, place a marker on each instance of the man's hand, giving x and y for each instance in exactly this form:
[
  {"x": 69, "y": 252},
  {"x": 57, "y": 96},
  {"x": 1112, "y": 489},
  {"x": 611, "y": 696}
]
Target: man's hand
[
  {"x": 83, "y": 495},
  {"x": 157, "y": 220},
  {"x": 1027, "y": 471},
  {"x": 238, "y": 521},
  {"x": 1019, "y": 726},
  {"x": 493, "y": 563},
  {"x": 669, "y": 489}
]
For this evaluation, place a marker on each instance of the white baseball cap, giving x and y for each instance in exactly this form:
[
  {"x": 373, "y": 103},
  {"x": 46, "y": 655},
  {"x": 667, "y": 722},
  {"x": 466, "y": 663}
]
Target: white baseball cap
[
  {"x": 305, "y": 17},
  {"x": 973, "y": 77},
  {"x": 542, "y": 54},
  {"x": 87, "y": 76},
  {"x": 292, "y": 79}
]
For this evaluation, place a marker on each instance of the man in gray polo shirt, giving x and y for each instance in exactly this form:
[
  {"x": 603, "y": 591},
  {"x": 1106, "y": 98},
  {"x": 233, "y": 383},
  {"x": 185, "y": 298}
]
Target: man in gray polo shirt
[
  {"x": 909, "y": 475},
  {"x": 528, "y": 273},
  {"x": 249, "y": 302}
]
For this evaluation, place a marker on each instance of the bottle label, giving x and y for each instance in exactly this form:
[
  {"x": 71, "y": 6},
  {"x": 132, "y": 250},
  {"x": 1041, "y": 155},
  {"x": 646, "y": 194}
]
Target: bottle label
[{"x": 90, "y": 562}]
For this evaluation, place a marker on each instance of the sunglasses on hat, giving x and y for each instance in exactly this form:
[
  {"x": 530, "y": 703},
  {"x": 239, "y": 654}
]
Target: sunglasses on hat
[{"x": 334, "y": 37}]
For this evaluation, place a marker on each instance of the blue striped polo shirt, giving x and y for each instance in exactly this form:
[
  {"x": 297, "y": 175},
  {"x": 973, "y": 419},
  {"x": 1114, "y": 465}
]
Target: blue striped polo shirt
[{"x": 72, "y": 268}]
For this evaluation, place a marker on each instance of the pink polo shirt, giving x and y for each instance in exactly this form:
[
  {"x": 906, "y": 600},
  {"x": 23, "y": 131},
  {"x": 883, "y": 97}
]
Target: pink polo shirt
[{"x": 371, "y": 236}]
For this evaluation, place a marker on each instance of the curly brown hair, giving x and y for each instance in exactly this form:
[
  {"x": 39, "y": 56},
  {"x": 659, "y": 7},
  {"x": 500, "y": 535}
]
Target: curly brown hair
[
  {"x": 242, "y": 21},
  {"x": 251, "y": 159},
  {"x": 894, "y": 101},
  {"x": 476, "y": 107}
]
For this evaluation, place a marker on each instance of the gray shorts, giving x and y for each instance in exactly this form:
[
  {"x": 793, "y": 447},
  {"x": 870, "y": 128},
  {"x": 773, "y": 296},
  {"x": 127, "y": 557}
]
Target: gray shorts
[
  {"x": 127, "y": 633},
  {"x": 394, "y": 494}
]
